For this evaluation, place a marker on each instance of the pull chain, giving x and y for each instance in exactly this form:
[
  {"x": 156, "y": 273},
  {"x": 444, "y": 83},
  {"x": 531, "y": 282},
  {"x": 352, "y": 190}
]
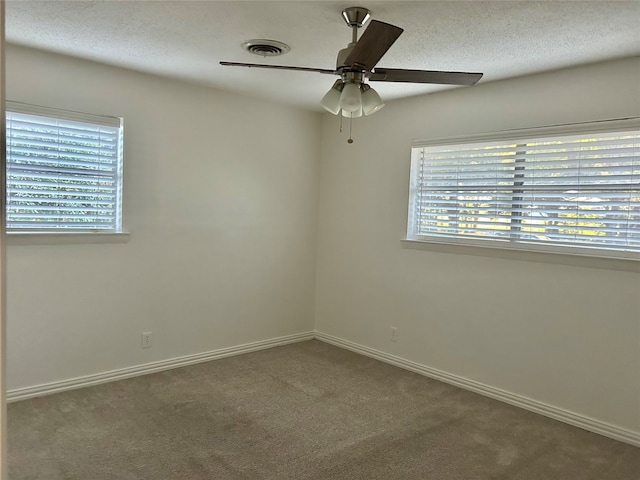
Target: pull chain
[{"x": 350, "y": 140}]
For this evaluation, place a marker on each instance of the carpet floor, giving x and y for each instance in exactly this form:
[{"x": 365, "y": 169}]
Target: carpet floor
[{"x": 303, "y": 411}]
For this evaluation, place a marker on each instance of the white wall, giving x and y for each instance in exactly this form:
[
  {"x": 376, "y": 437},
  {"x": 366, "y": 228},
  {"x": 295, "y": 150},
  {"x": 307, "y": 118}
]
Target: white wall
[
  {"x": 220, "y": 197},
  {"x": 568, "y": 336}
]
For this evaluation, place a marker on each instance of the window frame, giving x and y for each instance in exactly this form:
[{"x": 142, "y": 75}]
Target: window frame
[
  {"x": 63, "y": 235},
  {"x": 492, "y": 246}
]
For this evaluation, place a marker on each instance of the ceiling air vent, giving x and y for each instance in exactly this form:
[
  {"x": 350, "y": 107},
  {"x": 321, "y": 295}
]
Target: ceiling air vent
[{"x": 266, "y": 48}]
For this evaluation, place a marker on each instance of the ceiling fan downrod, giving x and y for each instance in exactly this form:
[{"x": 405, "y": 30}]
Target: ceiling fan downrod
[{"x": 355, "y": 18}]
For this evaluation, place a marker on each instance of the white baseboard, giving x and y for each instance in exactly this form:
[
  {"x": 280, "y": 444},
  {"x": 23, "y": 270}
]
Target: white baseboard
[
  {"x": 153, "y": 367},
  {"x": 571, "y": 418}
]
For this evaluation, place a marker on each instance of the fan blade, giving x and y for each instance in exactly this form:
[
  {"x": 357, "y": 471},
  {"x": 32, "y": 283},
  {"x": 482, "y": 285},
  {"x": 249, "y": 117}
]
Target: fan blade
[
  {"x": 374, "y": 43},
  {"x": 279, "y": 67},
  {"x": 424, "y": 76}
]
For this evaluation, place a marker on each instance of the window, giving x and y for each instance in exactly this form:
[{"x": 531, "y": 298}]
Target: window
[
  {"x": 533, "y": 190},
  {"x": 64, "y": 171}
]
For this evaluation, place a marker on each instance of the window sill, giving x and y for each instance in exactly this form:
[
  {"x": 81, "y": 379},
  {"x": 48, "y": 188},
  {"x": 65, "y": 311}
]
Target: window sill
[
  {"x": 64, "y": 238},
  {"x": 578, "y": 258}
]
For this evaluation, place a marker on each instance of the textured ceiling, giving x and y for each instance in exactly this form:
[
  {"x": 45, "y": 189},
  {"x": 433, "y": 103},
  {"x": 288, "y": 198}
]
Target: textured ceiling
[{"x": 187, "y": 39}]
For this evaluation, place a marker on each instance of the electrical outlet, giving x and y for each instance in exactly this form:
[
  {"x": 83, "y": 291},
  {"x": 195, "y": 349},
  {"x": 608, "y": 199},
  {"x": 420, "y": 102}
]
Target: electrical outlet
[
  {"x": 394, "y": 334},
  {"x": 146, "y": 340}
]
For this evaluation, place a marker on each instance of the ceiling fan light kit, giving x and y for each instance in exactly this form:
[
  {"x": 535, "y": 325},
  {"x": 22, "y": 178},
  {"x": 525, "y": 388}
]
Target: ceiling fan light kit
[
  {"x": 351, "y": 98},
  {"x": 356, "y": 64},
  {"x": 366, "y": 100},
  {"x": 355, "y": 114},
  {"x": 331, "y": 101},
  {"x": 371, "y": 101}
]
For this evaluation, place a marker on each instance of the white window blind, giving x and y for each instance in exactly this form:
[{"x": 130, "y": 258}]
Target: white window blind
[
  {"x": 579, "y": 190},
  {"x": 64, "y": 170}
]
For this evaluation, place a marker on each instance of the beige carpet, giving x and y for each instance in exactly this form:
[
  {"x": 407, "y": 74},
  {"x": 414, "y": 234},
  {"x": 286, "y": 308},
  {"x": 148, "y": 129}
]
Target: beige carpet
[{"x": 303, "y": 411}]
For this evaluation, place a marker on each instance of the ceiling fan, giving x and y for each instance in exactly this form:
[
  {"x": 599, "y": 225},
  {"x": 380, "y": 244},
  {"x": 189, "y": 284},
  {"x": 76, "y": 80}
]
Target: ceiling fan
[{"x": 356, "y": 64}]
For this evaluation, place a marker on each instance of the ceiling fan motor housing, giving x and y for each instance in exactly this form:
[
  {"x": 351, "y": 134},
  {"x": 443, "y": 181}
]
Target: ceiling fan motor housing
[
  {"x": 342, "y": 56},
  {"x": 352, "y": 77}
]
